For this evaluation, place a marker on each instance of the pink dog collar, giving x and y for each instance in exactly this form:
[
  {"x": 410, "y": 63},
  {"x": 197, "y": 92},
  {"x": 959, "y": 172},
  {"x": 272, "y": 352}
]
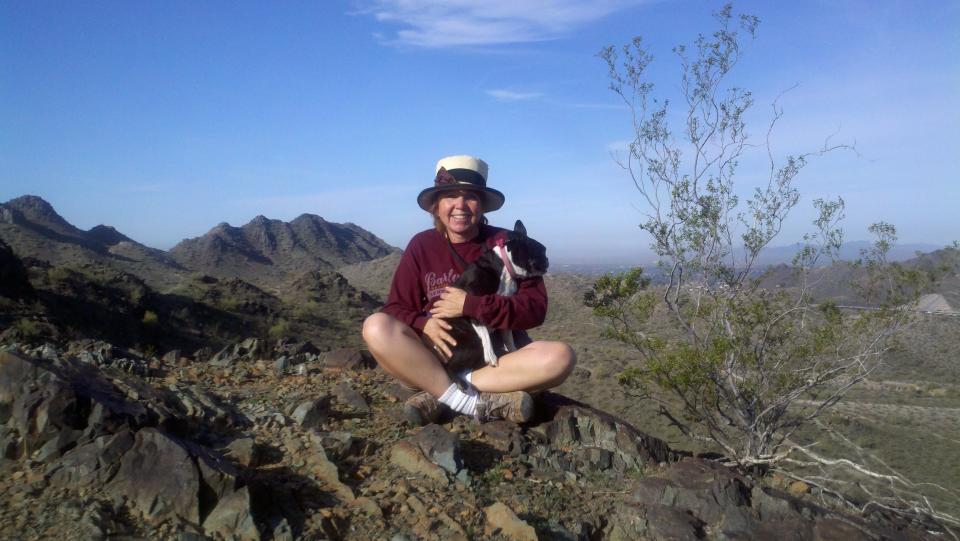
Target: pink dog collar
[{"x": 507, "y": 264}]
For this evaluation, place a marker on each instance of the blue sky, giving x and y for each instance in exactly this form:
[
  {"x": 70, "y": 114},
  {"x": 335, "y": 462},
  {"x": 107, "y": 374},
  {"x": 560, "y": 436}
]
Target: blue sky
[{"x": 166, "y": 118}]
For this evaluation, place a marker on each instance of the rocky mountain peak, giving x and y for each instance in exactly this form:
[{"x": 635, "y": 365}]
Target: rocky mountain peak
[
  {"x": 260, "y": 220},
  {"x": 265, "y": 251},
  {"x": 306, "y": 217},
  {"x": 38, "y": 211},
  {"x": 108, "y": 235}
]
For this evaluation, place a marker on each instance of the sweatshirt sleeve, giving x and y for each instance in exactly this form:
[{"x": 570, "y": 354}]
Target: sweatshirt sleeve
[
  {"x": 406, "y": 299},
  {"x": 525, "y": 309}
]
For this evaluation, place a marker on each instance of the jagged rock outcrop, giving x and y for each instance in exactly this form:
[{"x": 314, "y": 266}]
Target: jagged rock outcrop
[{"x": 238, "y": 450}]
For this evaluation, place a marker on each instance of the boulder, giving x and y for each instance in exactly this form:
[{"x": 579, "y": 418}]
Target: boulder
[
  {"x": 440, "y": 447},
  {"x": 232, "y": 518},
  {"x": 244, "y": 451},
  {"x": 411, "y": 459},
  {"x": 311, "y": 413},
  {"x": 91, "y": 464},
  {"x": 349, "y": 359},
  {"x": 158, "y": 478},
  {"x": 349, "y": 400},
  {"x": 501, "y": 520}
]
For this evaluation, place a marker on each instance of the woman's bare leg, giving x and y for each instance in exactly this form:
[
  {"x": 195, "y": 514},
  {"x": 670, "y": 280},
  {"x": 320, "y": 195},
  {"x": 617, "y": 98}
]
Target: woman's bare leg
[
  {"x": 534, "y": 367},
  {"x": 399, "y": 351}
]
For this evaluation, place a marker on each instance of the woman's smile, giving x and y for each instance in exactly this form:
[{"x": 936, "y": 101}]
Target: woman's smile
[{"x": 460, "y": 213}]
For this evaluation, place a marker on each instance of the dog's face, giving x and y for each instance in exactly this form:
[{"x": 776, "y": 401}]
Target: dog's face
[{"x": 526, "y": 254}]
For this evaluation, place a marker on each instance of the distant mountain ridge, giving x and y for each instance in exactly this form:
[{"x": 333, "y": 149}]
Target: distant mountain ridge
[
  {"x": 267, "y": 278},
  {"x": 264, "y": 252},
  {"x": 32, "y": 228}
]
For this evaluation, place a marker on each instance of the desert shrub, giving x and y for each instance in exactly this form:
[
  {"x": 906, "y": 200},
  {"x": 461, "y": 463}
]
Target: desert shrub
[
  {"x": 281, "y": 329},
  {"x": 58, "y": 274},
  {"x": 741, "y": 366},
  {"x": 28, "y": 329}
]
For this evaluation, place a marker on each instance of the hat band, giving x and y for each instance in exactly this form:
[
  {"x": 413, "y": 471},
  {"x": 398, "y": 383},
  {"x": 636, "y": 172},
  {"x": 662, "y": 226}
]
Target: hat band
[{"x": 468, "y": 176}]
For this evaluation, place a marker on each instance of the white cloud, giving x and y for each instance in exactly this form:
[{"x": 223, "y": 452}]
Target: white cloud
[
  {"x": 436, "y": 24},
  {"x": 509, "y": 95}
]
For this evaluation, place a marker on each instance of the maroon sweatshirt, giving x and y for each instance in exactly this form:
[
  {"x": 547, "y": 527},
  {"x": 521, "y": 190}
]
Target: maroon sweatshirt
[{"x": 428, "y": 266}]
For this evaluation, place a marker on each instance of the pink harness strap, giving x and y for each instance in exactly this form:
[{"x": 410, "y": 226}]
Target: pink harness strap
[{"x": 506, "y": 260}]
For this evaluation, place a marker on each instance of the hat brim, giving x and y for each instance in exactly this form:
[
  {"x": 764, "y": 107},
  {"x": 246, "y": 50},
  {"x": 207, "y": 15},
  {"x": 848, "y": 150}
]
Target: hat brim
[{"x": 490, "y": 199}]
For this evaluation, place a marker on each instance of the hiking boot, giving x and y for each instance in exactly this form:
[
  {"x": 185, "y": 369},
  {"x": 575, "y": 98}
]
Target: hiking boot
[
  {"x": 516, "y": 406},
  {"x": 422, "y": 409}
]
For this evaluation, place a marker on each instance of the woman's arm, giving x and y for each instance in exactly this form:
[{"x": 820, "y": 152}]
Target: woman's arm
[
  {"x": 406, "y": 299},
  {"x": 525, "y": 309}
]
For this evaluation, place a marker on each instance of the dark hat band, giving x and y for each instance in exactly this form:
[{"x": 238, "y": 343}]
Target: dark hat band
[{"x": 467, "y": 176}]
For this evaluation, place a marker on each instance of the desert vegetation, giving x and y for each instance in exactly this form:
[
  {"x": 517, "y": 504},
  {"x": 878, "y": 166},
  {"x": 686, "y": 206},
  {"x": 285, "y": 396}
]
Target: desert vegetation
[{"x": 743, "y": 367}]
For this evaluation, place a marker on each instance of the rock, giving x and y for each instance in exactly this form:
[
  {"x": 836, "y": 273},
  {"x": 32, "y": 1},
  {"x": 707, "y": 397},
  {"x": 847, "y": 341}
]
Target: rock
[
  {"x": 202, "y": 355},
  {"x": 829, "y": 529},
  {"x": 577, "y": 425},
  {"x": 202, "y": 408},
  {"x": 500, "y": 519},
  {"x": 368, "y": 506},
  {"x": 702, "y": 488},
  {"x": 158, "y": 478},
  {"x": 283, "y": 532},
  {"x": 410, "y": 458},
  {"x": 244, "y": 451},
  {"x": 348, "y": 359},
  {"x": 281, "y": 365},
  {"x": 232, "y": 518},
  {"x": 352, "y": 401},
  {"x": 440, "y": 447},
  {"x": 339, "y": 444},
  {"x": 91, "y": 464},
  {"x": 312, "y": 413},
  {"x": 665, "y": 522},
  {"x": 316, "y": 462},
  {"x": 251, "y": 349},
  {"x": 11, "y": 446},
  {"x": 172, "y": 356},
  {"x": 504, "y": 436}
]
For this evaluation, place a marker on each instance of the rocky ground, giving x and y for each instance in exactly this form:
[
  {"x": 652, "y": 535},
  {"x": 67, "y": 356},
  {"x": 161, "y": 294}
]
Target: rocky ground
[{"x": 264, "y": 441}]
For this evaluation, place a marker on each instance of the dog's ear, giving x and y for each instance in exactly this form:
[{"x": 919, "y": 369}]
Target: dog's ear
[{"x": 518, "y": 228}]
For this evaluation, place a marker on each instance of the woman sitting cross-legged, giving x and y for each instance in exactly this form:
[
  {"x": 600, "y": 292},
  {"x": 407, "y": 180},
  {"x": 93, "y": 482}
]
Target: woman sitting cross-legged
[{"x": 410, "y": 337}]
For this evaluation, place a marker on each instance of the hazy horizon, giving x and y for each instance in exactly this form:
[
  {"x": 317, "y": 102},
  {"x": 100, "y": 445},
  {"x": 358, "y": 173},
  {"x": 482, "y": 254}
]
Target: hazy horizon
[
  {"x": 164, "y": 119},
  {"x": 603, "y": 257}
]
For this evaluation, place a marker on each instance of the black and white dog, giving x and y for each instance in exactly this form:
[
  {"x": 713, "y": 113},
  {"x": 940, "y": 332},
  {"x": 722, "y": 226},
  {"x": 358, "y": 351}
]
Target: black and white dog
[{"x": 496, "y": 271}]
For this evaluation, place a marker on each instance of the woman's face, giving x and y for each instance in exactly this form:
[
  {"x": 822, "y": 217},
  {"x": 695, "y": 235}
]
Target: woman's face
[{"x": 460, "y": 212}]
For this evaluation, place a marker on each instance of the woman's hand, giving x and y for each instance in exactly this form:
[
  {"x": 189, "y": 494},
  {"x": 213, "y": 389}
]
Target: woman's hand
[
  {"x": 437, "y": 336},
  {"x": 450, "y": 303}
]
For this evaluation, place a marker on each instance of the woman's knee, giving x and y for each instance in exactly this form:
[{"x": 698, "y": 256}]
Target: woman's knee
[
  {"x": 558, "y": 358},
  {"x": 378, "y": 328}
]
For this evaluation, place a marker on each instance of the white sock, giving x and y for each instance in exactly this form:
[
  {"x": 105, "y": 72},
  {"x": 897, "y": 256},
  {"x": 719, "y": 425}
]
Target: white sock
[{"x": 464, "y": 402}]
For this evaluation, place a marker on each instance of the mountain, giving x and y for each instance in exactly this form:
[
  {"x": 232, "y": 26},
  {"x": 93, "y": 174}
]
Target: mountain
[
  {"x": 14, "y": 283},
  {"x": 838, "y": 280},
  {"x": 32, "y": 228},
  {"x": 266, "y": 252},
  {"x": 373, "y": 276},
  {"x": 849, "y": 251}
]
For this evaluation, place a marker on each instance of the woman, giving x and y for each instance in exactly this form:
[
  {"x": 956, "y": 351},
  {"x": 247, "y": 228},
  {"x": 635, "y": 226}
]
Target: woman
[{"x": 410, "y": 338}]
